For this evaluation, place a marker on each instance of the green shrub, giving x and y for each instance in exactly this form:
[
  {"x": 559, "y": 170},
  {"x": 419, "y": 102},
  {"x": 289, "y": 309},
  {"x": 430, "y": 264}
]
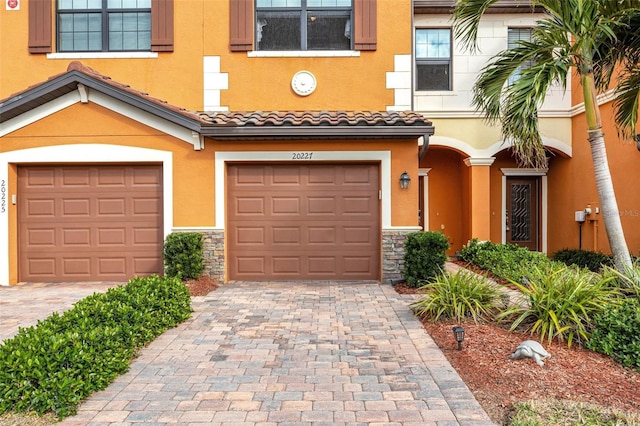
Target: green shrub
[
  {"x": 57, "y": 363},
  {"x": 592, "y": 260},
  {"x": 183, "y": 255},
  {"x": 458, "y": 296},
  {"x": 617, "y": 333},
  {"x": 561, "y": 303},
  {"x": 424, "y": 256},
  {"x": 506, "y": 261},
  {"x": 628, "y": 282}
]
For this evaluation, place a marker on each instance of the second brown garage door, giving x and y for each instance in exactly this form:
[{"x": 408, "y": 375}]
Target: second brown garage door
[
  {"x": 89, "y": 223},
  {"x": 295, "y": 222}
]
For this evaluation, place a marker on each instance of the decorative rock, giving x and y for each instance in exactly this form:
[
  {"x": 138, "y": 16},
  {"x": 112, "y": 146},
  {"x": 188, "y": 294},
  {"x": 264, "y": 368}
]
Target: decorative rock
[{"x": 531, "y": 349}]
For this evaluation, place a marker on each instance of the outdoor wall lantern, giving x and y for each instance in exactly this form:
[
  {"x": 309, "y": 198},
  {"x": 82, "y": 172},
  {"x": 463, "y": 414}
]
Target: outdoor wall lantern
[
  {"x": 458, "y": 333},
  {"x": 404, "y": 180}
]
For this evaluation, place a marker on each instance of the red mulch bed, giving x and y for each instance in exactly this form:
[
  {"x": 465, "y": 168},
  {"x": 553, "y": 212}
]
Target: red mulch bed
[
  {"x": 200, "y": 286},
  {"x": 497, "y": 381}
]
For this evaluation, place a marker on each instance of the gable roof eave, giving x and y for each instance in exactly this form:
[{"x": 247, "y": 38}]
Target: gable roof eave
[{"x": 70, "y": 82}]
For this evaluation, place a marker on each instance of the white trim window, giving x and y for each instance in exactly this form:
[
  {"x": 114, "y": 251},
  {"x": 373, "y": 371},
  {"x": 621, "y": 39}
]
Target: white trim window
[
  {"x": 283, "y": 25},
  {"x": 433, "y": 59}
]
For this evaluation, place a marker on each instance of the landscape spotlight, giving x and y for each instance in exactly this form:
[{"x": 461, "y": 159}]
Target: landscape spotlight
[{"x": 458, "y": 333}]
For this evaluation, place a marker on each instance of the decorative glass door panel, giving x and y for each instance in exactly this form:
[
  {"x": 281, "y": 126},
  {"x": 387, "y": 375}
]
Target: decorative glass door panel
[{"x": 522, "y": 215}]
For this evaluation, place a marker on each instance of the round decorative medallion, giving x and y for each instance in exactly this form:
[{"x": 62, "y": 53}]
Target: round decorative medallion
[{"x": 303, "y": 83}]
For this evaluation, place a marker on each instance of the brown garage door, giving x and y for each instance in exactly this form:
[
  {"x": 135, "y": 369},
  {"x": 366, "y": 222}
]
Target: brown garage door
[
  {"x": 314, "y": 221},
  {"x": 89, "y": 223}
]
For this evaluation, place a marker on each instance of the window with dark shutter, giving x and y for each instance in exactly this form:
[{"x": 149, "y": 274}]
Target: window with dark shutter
[
  {"x": 102, "y": 26},
  {"x": 40, "y": 26},
  {"x": 303, "y": 25}
]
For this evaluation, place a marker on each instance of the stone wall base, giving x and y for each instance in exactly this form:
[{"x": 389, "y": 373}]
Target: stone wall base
[
  {"x": 393, "y": 253},
  {"x": 213, "y": 253}
]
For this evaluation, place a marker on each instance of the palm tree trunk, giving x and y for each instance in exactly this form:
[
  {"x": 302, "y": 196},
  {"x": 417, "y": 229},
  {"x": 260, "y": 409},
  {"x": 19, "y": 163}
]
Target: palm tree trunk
[{"x": 604, "y": 183}]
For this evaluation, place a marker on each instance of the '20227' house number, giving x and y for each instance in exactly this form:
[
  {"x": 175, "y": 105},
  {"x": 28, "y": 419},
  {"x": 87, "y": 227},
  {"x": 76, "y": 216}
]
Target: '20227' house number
[{"x": 301, "y": 155}]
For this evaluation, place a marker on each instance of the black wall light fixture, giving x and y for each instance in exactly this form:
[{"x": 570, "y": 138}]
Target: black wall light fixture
[{"x": 404, "y": 180}]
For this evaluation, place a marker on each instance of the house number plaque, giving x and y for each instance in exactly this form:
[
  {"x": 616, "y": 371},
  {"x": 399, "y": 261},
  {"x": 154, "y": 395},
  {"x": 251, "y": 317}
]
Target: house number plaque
[{"x": 3, "y": 196}]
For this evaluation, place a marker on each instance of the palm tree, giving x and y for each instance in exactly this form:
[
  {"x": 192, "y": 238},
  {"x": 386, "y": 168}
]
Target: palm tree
[{"x": 591, "y": 38}]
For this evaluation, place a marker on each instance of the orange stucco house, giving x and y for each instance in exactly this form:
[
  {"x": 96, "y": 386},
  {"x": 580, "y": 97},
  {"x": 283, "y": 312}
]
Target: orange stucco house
[{"x": 279, "y": 129}]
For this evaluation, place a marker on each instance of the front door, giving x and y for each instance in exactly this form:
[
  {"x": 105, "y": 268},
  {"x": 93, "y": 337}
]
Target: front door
[{"x": 522, "y": 215}]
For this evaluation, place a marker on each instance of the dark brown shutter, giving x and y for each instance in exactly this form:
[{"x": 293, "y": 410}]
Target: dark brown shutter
[
  {"x": 365, "y": 25},
  {"x": 162, "y": 25},
  {"x": 241, "y": 25},
  {"x": 40, "y": 26}
]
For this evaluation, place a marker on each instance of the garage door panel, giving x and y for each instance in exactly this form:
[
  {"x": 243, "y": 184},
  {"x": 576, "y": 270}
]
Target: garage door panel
[
  {"x": 76, "y": 237},
  {"x": 103, "y": 222},
  {"x": 147, "y": 265},
  {"x": 322, "y": 235},
  {"x": 145, "y": 236},
  {"x": 250, "y": 175},
  {"x": 285, "y": 235},
  {"x": 310, "y": 222},
  {"x": 40, "y": 237},
  {"x": 357, "y": 265},
  {"x": 111, "y": 266},
  {"x": 249, "y": 206},
  {"x": 112, "y": 236},
  {"x": 285, "y": 205},
  {"x": 41, "y": 178},
  {"x": 326, "y": 265},
  {"x": 285, "y": 265},
  {"x": 112, "y": 207},
  {"x": 285, "y": 175},
  {"x": 41, "y": 208},
  {"x": 146, "y": 206},
  {"x": 249, "y": 235},
  {"x": 357, "y": 205},
  {"x": 78, "y": 178},
  {"x": 146, "y": 177},
  {"x": 248, "y": 265},
  {"x": 357, "y": 235},
  {"x": 78, "y": 267},
  {"x": 357, "y": 177},
  {"x": 322, "y": 205}
]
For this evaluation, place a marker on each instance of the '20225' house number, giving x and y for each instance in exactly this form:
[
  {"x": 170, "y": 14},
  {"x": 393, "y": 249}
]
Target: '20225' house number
[{"x": 3, "y": 196}]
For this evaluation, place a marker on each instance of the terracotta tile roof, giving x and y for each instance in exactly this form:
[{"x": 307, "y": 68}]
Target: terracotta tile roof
[{"x": 314, "y": 118}]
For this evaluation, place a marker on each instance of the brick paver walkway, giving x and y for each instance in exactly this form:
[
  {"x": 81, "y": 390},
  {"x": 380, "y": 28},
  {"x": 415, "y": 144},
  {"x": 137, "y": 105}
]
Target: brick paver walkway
[{"x": 290, "y": 354}]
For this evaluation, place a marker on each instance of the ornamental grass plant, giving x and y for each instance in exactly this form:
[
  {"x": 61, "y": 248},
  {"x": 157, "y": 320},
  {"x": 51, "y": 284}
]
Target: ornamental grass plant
[
  {"x": 458, "y": 296},
  {"x": 561, "y": 303}
]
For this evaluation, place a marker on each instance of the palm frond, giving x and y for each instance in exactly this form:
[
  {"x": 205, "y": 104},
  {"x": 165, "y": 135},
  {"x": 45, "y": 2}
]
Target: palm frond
[
  {"x": 626, "y": 102},
  {"x": 466, "y": 20}
]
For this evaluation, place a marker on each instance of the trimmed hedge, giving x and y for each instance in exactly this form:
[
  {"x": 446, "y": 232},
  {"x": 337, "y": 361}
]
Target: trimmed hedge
[
  {"x": 424, "y": 257},
  {"x": 506, "y": 261},
  {"x": 183, "y": 255},
  {"x": 617, "y": 333},
  {"x": 53, "y": 366},
  {"x": 592, "y": 260}
]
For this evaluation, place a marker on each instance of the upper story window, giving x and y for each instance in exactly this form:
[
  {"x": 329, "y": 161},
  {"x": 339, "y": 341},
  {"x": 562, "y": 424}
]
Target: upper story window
[
  {"x": 104, "y": 25},
  {"x": 303, "y": 24},
  {"x": 433, "y": 59},
  {"x": 514, "y": 36}
]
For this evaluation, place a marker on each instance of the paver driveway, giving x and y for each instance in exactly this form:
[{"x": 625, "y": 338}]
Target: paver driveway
[{"x": 290, "y": 353}]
